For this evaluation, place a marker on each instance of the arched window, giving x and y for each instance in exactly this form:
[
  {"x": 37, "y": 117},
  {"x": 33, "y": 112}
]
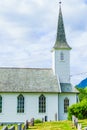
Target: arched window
[
  {"x": 20, "y": 104},
  {"x": 0, "y": 104},
  {"x": 66, "y": 104},
  {"x": 42, "y": 104},
  {"x": 62, "y": 56}
]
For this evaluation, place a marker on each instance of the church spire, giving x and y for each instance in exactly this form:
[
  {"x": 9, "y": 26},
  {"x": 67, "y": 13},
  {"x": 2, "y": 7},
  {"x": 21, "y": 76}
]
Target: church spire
[{"x": 61, "y": 42}]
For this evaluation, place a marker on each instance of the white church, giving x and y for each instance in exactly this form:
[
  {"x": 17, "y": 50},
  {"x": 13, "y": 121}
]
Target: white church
[{"x": 38, "y": 93}]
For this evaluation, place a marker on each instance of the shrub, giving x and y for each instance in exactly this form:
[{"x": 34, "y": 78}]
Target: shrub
[
  {"x": 79, "y": 110},
  {"x": 37, "y": 121}
]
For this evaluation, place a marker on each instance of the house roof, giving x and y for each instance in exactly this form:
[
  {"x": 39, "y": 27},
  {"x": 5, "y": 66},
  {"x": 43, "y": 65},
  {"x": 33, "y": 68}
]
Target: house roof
[{"x": 27, "y": 80}]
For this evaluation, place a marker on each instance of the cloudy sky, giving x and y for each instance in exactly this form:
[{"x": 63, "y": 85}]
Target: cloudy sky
[{"x": 28, "y": 32}]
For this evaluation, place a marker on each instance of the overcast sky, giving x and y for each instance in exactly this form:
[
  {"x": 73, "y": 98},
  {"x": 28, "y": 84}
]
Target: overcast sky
[{"x": 28, "y": 33}]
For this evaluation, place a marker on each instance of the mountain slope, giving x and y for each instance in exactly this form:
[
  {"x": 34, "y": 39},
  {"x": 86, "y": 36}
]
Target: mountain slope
[{"x": 82, "y": 84}]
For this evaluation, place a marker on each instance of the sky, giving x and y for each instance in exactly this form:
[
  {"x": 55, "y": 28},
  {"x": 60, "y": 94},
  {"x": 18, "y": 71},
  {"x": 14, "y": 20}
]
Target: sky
[{"x": 28, "y": 32}]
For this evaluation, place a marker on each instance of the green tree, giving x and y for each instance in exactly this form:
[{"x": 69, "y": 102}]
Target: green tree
[
  {"x": 82, "y": 93},
  {"x": 79, "y": 110}
]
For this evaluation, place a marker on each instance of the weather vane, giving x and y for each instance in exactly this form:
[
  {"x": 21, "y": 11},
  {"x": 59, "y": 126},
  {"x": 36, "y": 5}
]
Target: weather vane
[{"x": 60, "y": 2}]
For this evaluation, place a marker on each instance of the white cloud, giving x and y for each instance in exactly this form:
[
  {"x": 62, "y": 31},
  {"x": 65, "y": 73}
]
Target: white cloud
[{"x": 28, "y": 32}]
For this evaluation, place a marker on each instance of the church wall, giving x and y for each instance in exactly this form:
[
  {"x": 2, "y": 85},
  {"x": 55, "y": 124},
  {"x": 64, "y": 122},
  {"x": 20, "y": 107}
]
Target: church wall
[
  {"x": 53, "y": 61},
  {"x": 72, "y": 100},
  {"x": 61, "y": 67},
  {"x": 53, "y": 106},
  {"x": 9, "y": 107}
]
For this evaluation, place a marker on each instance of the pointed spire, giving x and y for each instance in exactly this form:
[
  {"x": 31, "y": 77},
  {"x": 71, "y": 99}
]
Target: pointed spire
[{"x": 61, "y": 42}]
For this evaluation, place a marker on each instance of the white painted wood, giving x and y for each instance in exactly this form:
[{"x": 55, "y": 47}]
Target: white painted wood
[
  {"x": 72, "y": 100},
  {"x": 61, "y": 68},
  {"x": 9, "y": 109}
]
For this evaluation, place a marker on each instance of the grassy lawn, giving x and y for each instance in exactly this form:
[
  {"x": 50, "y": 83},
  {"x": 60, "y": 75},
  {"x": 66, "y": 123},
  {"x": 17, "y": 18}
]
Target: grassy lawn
[{"x": 60, "y": 125}]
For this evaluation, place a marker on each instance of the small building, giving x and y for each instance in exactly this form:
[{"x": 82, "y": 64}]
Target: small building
[{"x": 39, "y": 93}]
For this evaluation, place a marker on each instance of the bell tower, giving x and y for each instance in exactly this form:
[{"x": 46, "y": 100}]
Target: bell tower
[{"x": 61, "y": 52}]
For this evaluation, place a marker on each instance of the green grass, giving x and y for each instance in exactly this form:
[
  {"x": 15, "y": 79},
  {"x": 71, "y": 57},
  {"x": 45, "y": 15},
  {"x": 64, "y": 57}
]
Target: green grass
[{"x": 60, "y": 125}]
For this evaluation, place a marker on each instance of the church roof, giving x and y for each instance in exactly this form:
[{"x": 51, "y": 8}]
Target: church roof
[
  {"x": 27, "y": 80},
  {"x": 67, "y": 87},
  {"x": 61, "y": 42}
]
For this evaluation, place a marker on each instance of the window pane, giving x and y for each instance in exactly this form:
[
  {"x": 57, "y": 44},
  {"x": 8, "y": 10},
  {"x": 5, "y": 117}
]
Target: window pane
[
  {"x": 66, "y": 104},
  {"x": 20, "y": 104},
  {"x": 42, "y": 104},
  {"x": 61, "y": 56},
  {"x": 0, "y": 104}
]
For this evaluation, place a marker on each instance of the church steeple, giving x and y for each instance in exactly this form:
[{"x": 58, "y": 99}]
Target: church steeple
[
  {"x": 61, "y": 52},
  {"x": 61, "y": 42}
]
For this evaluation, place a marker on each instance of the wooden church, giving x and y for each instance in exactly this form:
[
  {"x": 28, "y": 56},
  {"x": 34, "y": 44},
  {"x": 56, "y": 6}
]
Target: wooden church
[{"x": 38, "y": 93}]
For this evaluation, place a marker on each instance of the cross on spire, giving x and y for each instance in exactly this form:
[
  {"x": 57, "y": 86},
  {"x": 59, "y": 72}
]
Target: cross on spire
[{"x": 60, "y": 2}]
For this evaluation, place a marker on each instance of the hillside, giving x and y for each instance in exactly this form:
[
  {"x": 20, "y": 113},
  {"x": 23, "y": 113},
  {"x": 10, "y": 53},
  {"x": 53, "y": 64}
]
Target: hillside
[{"x": 82, "y": 84}]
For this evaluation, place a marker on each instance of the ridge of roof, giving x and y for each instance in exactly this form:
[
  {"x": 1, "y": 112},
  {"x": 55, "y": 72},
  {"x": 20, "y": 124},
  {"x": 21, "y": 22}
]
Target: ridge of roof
[{"x": 25, "y": 68}]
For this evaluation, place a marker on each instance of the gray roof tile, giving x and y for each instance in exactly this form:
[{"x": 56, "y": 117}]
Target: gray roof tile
[
  {"x": 67, "y": 87},
  {"x": 27, "y": 80}
]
